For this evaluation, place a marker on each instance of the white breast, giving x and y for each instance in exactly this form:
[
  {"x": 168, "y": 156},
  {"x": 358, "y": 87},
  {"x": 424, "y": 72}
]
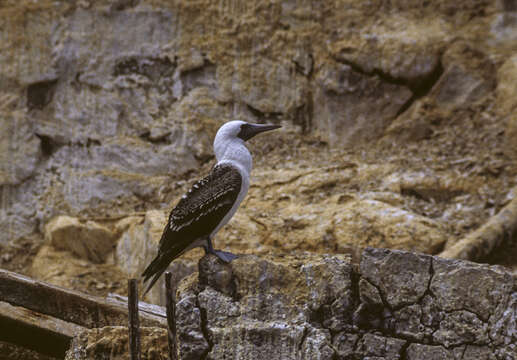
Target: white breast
[{"x": 245, "y": 185}]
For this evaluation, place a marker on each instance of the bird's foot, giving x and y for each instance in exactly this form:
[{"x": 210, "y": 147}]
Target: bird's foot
[{"x": 225, "y": 256}]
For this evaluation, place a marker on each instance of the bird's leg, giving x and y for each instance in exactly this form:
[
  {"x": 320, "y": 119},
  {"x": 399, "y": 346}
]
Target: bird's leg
[{"x": 225, "y": 256}]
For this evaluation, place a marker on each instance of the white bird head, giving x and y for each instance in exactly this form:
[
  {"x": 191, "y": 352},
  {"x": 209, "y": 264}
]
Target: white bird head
[
  {"x": 230, "y": 138},
  {"x": 242, "y": 130}
]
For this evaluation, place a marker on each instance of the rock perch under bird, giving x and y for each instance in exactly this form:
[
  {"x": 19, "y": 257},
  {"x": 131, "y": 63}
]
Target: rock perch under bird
[{"x": 211, "y": 202}]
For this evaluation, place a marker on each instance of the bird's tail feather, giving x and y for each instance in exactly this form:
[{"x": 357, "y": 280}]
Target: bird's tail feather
[{"x": 155, "y": 269}]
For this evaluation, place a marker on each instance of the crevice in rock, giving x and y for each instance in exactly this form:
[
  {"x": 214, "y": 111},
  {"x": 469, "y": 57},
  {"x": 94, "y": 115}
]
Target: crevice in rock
[
  {"x": 463, "y": 353},
  {"x": 121, "y": 5},
  {"x": 304, "y": 114},
  {"x": 40, "y": 94},
  {"x": 92, "y": 142},
  {"x": 428, "y": 288},
  {"x": 403, "y": 351},
  {"x": 48, "y": 145},
  {"x": 161, "y": 140},
  {"x": 420, "y": 87},
  {"x": 264, "y": 115},
  {"x": 153, "y": 68},
  {"x": 302, "y": 70},
  {"x": 204, "y": 329},
  {"x": 304, "y": 336},
  {"x": 203, "y": 75}
]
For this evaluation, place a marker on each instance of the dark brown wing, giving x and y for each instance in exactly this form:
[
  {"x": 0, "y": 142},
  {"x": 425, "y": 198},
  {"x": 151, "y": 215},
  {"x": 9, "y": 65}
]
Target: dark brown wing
[{"x": 196, "y": 215}]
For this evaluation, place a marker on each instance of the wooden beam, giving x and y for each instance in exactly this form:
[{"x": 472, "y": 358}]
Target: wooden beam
[
  {"x": 42, "y": 333},
  {"x": 69, "y": 305}
]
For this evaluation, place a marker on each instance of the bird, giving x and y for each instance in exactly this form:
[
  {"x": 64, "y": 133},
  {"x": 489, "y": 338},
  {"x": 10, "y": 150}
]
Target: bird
[{"x": 211, "y": 202}]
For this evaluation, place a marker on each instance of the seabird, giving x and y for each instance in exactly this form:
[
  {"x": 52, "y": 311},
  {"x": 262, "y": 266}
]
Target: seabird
[{"x": 211, "y": 202}]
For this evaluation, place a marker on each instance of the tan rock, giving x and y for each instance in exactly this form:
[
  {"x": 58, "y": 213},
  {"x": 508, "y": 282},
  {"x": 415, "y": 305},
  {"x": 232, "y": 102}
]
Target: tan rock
[
  {"x": 399, "y": 47},
  {"x": 60, "y": 268},
  {"x": 137, "y": 247},
  {"x": 87, "y": 241},
  {"x": 112, "y": 342},
  {"x": 373, "y": 223},
  {"x": 506, "y": 90}
]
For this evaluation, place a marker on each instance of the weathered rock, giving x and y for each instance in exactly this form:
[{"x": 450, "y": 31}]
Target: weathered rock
[
  {"x": 506, "y": 89},
  {"x": 111, "y": 342},
  {"x": 375, "y": 223},
  {"x": 63, "y": 269},
  {"x": 108, "y": 104},
  {"x": 420, "y": 352},
  {"x": 270, "y": 309},
  {"x": 402, "y": 278},
  {"x": 381, "y": 51},
  {"x": 285, "y": 308},
  {"x": 20, "y": 149},
  {"x": 380, "y": 347},
  {"x": 470, "y": 287},
  {"x": 357, "y": 107},
  {"x": 88, "y": 241},
  {"x": 468, "y": 76}
]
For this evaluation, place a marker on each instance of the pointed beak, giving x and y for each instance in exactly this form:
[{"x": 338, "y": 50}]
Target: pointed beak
[{"x": 250, "y": 130}]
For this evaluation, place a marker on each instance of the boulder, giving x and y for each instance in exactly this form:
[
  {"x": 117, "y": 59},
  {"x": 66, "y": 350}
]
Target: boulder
[{"x": 87, "y": 240}]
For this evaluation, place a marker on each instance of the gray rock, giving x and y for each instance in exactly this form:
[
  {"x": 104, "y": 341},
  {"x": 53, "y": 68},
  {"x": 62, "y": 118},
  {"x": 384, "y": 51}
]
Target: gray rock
[
  {"x": 369, "y": 293},
  {"x": 345, "y": 344},
  {"x": 284, "y": 308},
  {"x": 192, "y": 342},
  {"x": 291, "y": 306},
  {"x": 401, "y": 277},
  {"x": 427, "y": 352},
  {"x": 461, "y": 327},
  {"x": 377, "y": 346},
  {"x": 469, "y": 286},
  {"x": 473, "y": 352},
  {"x": 356, "y": 107}
]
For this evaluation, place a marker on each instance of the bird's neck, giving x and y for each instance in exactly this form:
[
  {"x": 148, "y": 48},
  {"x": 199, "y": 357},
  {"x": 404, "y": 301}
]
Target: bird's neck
[{"x": 235, "y": 153}]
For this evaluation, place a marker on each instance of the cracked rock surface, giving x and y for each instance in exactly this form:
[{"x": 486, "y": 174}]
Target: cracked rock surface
[{"x": 394, "y": 305}]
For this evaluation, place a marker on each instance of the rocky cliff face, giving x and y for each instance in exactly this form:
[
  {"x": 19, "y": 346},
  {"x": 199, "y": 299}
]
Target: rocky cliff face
[
  {"x": 107, "y": 106},
  {"x": 394, "y": 305},
  {"x": 399, "y": 126}
]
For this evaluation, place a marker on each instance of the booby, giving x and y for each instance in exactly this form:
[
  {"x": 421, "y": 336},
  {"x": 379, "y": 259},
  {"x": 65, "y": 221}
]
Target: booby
[{"x": 211, "y": 202}]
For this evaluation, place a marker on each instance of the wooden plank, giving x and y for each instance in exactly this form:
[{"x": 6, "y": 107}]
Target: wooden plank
[
  {"x": 42, "y": 333},
  {"x": 143, "y": 307},
  {"x": 68, "y": 305},
  {"x": 42, "y": 321}
]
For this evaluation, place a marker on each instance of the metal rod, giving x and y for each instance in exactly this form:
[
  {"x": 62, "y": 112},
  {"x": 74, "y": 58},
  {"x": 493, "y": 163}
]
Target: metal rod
[
  {"x": 134, "y": 322},
  {"x": 171, "y": 315}
]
